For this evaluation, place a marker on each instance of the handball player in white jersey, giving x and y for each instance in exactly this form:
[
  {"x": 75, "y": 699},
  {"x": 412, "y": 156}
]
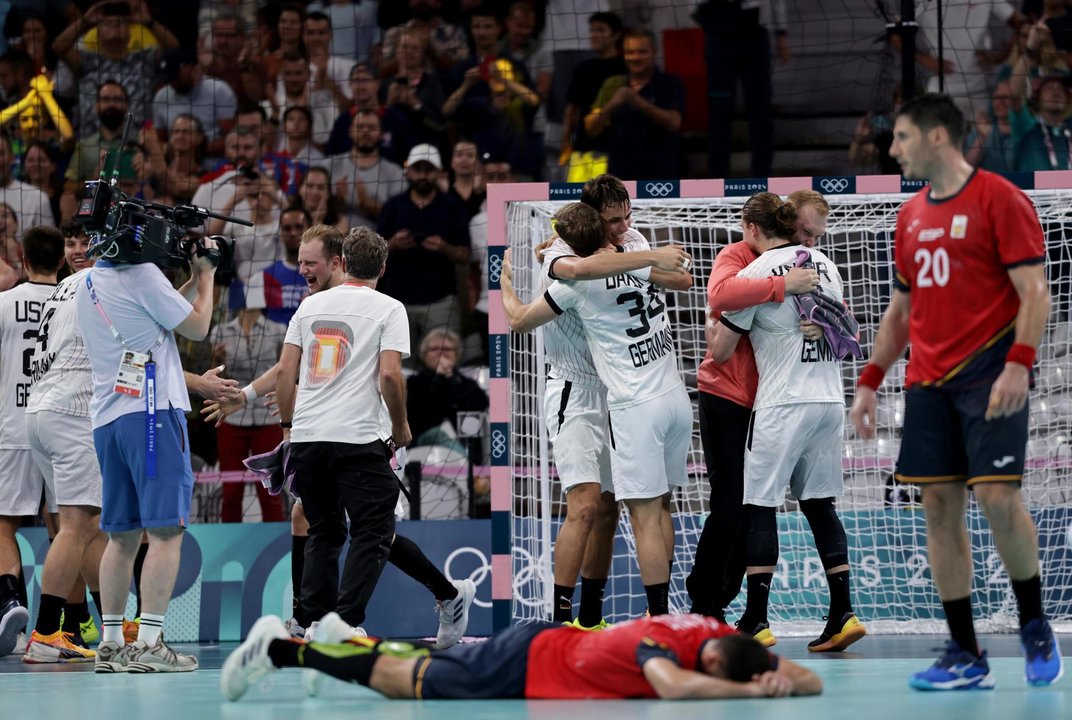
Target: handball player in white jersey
[
  {"x": 632, "y": 346},
  {"x": 575, "y": 400},
  {"x": 796, "y": 434},
  {"x": 21, "y": 483}
]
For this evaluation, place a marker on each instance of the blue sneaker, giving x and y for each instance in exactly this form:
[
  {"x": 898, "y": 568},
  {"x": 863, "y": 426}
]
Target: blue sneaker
[
  {"x": 1042, "y": 654},
  {"x": 956, "y": 670}
]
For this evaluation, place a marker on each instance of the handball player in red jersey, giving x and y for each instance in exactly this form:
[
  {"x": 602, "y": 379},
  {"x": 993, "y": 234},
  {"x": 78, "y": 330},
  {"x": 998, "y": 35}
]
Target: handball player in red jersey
[
  {"x": 970, "y": 296},
  {"x": 665, "y": 656}
]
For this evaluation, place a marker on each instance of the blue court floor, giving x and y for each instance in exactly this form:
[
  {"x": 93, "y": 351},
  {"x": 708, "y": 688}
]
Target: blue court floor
[{"x": 867, "y": 685}]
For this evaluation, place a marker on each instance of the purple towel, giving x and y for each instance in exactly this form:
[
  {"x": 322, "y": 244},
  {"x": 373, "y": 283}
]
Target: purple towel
[
  {"x": 274, "y": 468},
  {"x": 840, "y": 328}
]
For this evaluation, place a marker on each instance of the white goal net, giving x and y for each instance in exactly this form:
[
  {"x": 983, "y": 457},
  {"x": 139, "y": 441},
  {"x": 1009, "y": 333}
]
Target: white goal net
[{"x": 892, "y": 586}]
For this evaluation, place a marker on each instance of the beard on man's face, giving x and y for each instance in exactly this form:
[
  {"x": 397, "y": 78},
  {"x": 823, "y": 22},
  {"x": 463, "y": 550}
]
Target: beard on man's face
[{"x": 423, "y": 187}]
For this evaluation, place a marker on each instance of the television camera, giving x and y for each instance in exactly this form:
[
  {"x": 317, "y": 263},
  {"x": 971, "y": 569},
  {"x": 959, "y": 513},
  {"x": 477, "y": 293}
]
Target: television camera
[{"x": 126, "y": 229}]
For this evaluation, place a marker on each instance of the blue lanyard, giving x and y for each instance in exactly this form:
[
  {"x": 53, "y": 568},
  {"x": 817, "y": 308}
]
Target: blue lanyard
[{"x": 150, "y": 381}]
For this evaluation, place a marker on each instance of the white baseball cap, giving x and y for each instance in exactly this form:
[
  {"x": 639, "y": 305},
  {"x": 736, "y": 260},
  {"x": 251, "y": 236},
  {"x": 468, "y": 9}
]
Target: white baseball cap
[{"x": 425, "y": 153}]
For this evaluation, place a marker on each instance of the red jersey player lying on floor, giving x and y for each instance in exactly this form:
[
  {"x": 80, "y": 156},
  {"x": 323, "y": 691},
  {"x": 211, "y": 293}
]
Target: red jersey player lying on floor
[{"x": 667, "y": 656}]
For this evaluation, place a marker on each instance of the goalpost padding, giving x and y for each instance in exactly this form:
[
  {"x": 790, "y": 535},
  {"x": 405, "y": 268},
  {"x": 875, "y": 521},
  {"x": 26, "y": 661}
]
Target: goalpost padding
[{"x": 892, "y": 587}]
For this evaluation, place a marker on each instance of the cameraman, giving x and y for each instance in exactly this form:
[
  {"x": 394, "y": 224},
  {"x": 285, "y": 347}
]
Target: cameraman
[{"x": 128, "y": 312}]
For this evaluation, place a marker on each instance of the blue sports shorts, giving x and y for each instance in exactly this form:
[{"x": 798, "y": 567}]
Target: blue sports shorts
[{"x": 130, "y": 501}]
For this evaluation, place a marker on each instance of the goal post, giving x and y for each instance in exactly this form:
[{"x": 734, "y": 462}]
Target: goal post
[{"x": 892, "y": 587}]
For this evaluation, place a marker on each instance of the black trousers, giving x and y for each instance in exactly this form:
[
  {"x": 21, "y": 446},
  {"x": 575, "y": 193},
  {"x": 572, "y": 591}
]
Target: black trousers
[
  {"x": 718, "y": 570},
  {"x": 336, "y": 480}
]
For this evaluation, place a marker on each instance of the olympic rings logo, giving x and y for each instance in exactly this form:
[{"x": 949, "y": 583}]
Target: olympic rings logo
[
  {"x": 478, "y": 575},
  {"x": 659, "y": 189},
  {"x": 495, "y": 264},
  {"x": 531, "y": 575},
  {"x": 498, "y": 443},
  {"x": 833, "y": 185}
]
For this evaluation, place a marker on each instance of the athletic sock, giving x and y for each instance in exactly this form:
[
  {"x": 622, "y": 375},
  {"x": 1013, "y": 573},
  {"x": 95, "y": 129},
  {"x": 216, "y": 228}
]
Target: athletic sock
[
  {"x": 407, "y": 556},
  {"x": 755, "y": 611},
  {"x": 150, "y": 628},
  {"x": 1028, "y": 598},
  {"x": 840, "y": 602},
  {"x": 658, "y": 598},
  {"x": 139, "y": 562},
  {"x": 112, "y": 629},
  {"x": 9, "y": 588},
  {"x": 350, "y": 663},
  {"x": 958, "y": 615},
  {"x": 21, "y": 589},
  {"x": 83, "y": 608},
  {"x": 48, "y": 616},
  {"x": 95, "y": 594},
  {"x": 73, "y": 613},
  {"x": 297, "y": 567},
  {"x": 563, "y": 609},
  {"x": 591, "y": 612}
]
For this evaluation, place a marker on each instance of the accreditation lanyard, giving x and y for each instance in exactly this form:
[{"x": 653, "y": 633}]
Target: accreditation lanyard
[
  {"x": 136, "y": 376},
  {"x": 1053, "y": 152}
]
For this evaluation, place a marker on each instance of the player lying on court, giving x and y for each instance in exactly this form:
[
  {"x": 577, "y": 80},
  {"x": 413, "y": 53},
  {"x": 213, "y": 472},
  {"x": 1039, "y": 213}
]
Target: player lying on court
[{"x": 673, "y": 657}]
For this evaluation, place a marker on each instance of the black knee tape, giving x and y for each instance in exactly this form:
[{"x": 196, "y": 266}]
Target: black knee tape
[
  {"x": 827, "y": 530},
  {"x": 761, "y": 548}
]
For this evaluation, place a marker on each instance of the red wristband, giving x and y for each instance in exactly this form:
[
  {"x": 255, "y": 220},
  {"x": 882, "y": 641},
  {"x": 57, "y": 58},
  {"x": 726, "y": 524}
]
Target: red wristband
[
  {"x": 871, "y": 376},
  {"x": 1021, "y": 354}
]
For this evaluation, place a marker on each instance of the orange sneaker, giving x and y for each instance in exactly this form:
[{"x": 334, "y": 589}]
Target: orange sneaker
[
  {"x": 130, "y": 630},
  {"x": 55, "y": 648}
]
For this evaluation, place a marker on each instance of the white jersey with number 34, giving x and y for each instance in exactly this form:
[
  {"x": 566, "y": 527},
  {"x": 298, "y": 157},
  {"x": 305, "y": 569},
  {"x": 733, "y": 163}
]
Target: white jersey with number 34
[
  {"x": 565, "y": 343},
  {"x": 632, "y": 345}
]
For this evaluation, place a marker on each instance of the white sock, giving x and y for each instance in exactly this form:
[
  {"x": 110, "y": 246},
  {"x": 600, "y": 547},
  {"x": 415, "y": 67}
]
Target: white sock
[
  {"x": 151, "y": 627},
  {"x": 112, "y": 630}
]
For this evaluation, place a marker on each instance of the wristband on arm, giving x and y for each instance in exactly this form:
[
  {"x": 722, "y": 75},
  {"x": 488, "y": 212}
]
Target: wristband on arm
[
  {"x": 871, "y": 376},
  {"x": 1021, "y": 354},
  {"x": 250, "y": 394}
]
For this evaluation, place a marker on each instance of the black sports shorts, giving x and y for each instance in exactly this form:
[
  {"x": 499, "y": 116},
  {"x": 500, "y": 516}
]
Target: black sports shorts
[
  {"x": 947, "y": 438},
  {"x": 495, "y": 668}
]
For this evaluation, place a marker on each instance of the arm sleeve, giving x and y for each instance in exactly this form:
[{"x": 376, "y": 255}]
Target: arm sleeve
[
  {"x": 649, "y": 649},
  {"x": 562, "y": 296},
  {"x": 163, "y": 302},
  {"x": 1016, "y": 229},
  {"x": 727, "y": 291},
  {"x": 740, "y": 321},
  {"x": 395, "y": 334},
  {"x": 903, "y": 271},
  {"x": 293, "y": 335}
]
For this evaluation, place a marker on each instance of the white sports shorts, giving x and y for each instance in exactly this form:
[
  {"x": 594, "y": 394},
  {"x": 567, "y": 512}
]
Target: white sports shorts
[
  {"x": 795, "y": 446},
  {"x": 650, "y": 446},
  {"x": 21, "y": 485},
  {"x": 576, "y": 418},
  {"x": 62, "y": 447}
]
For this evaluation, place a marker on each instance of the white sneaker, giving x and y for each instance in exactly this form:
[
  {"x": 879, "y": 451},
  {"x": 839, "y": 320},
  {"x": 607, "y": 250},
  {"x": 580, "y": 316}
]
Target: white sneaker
[
  {"x": 310, "y": 632},
  {"x": 330, "y": 629},
  {"x": 249, "y": 662},
  {"x": 20, "y": 644},
  {"x": 295, "y": 630},
  {"x": 158, "y": 658},
  {"x": 454, "y": 614},
  {"x": 13, "y": 621}
]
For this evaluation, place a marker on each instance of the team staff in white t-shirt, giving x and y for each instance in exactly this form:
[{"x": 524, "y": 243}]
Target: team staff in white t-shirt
[
  {"x": 632, "y": 347},
  {"x": 347, "y": 343},
  {"x": 320, "y": 263},
  {"x": 128, "y": 313},
  {"x": 21, "y": 483},
  {"x": 796, "y": 434}
]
